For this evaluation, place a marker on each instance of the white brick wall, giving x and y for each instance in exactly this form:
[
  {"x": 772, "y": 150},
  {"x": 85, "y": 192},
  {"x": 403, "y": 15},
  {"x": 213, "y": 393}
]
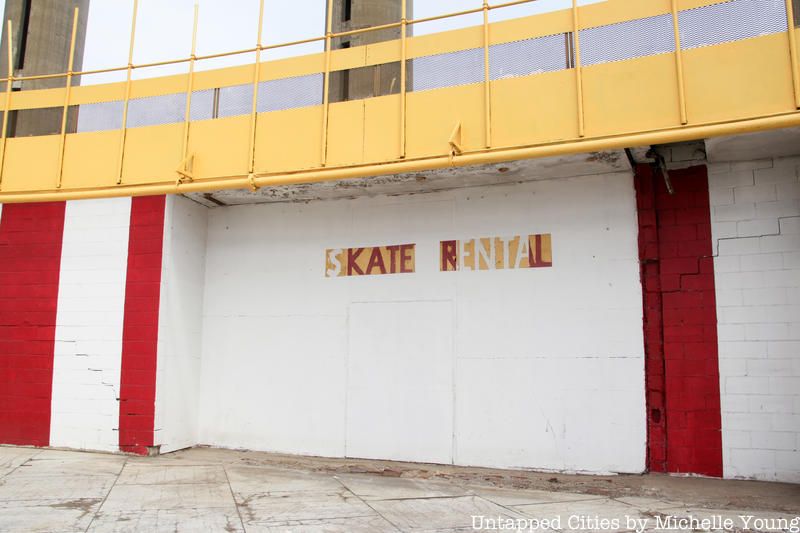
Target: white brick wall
[
  {"x": 539, "y": 368},
  {"x": 755, "y": 213},
  {"x": 91, "y": 304}
]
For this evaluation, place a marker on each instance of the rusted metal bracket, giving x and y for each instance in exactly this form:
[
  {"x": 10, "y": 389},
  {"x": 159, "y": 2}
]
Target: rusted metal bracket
[
  {"x": 455, "y": 142},
  {"x": 661, "y": 164}
]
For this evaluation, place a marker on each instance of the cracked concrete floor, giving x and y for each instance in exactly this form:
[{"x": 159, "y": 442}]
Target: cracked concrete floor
[{"x": 206, "y": 489}]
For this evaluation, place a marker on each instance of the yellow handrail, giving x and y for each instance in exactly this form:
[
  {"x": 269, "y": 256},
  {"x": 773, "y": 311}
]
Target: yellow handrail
[
  {"x": 251, "y": 149},
  {"x": 267, "y": 47},
  {"x": 9, "y": 82},
  {"x": 679, "y": 63},
  {"x": 487, "y": 80},
  {"x": 403, "y": 75},
  {"x": 793, "y": 51},
  {"x": 187, "y": 113},
  {"x": 67, "y": 94},
  {"x": 576, "y": 36},
  {"x": 124, "y": 130},
  {"x": 326, "y": 89}
]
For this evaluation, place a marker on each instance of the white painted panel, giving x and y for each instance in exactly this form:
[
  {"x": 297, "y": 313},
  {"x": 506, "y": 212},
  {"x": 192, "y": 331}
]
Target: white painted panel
[
  {"x": 279, "y": 337},
  {"x": 275, "y": 384},
  {"x": 572, "y": 414},
  {"x": 88, "y": 346},
  {"x": 400, "y": 381}
]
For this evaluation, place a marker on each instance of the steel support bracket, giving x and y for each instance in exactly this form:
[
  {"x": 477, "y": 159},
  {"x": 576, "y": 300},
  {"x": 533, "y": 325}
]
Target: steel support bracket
[
  {"x": 455, "y": 142},
  {"x": 186, "y": 170},
  {"x": 252, "y": 179}
]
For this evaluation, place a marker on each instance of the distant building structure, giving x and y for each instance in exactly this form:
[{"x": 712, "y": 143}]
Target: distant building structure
[
  {"x": 40, "y": 45},
  {"x": 366, "y": 82}
]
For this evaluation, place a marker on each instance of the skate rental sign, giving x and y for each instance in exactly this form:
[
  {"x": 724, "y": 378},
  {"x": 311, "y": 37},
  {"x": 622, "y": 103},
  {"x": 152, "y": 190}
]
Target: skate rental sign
[{"x": 480, "y": 254}]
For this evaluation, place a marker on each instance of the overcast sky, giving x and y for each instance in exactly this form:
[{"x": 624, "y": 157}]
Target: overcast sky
[{"x": 164, "y": 28}]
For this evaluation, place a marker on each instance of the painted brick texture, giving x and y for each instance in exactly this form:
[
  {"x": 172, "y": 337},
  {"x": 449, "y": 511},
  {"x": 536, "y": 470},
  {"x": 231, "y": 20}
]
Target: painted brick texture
[
  {"x": 30, "y": 257},
  {"x": 680, "y": 323},
  {"x": 91, "y": 300},
  {"x": 653, "y": 334},
  {"x": 755, "y": 209},
  {"x": 140, "y": 325}
]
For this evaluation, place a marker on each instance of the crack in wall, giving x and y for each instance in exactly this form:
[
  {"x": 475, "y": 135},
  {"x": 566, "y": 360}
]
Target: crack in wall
[{"x": 779, "y": 234}]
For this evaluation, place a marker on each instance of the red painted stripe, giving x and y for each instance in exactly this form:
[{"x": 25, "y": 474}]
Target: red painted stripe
[
  {"x": 140, "y": 326},
  {"x": 30, "y": 263},
  {"x": 682, "y": 361},
  {"x": 653, "y": 327}
]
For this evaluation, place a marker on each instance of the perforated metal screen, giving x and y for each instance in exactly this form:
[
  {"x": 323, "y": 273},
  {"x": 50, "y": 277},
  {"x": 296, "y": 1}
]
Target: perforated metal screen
[
  {"x": 531, "y": 56},
  {"x": 627, "y": 40},
  {"x": 290, "y": 93},
  {"x": 202, "y": 105},
  {"x": 731, "y": 21},
  {"x": 155, "y": 110},
  {"x": 236, "y": 100},
  {"x": 446, "y": 70},
  {"x": 100, "y": 116}
]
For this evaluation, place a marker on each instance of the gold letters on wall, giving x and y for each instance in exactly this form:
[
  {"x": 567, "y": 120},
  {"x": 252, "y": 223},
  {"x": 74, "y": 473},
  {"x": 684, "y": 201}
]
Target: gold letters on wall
[
  {"x": 496, "y": 253},
  {"x": 488, "y": 253}
]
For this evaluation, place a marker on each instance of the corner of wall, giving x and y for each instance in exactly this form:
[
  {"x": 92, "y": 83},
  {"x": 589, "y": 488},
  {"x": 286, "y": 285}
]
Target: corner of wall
[{"x": 180, "y": 324}]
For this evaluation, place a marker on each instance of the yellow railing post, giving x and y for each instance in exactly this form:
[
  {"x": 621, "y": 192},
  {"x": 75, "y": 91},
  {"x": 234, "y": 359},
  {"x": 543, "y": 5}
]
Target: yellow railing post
[
  {"x": 251, "y": 153},
  {"x": 487, "y": 86},
  {"x": 327, "y": 84},
  {"x": 793, "y": 51},
  {"x": 9, "y": 87},
  {"x": 576, "y": 36},
  {"x": 403, "y": 74},
  {"x": 679, "y": 63},
  {"x": 187, "y": 117},
  {"x": 68, "y": 93},
  {"x": 124, "y": 130}
]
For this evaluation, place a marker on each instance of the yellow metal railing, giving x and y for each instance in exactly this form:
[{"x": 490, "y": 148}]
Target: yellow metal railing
[{"x": 691, "y": 93}]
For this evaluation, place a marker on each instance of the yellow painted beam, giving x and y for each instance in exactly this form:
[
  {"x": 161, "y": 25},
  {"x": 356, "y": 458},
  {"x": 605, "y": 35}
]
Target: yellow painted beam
[{"x": 466, "y": 159}]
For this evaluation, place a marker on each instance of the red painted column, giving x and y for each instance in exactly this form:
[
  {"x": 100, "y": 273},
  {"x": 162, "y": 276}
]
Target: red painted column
[
  {"x": 653, "y": 320},
  {"x": 684, "y": 419},
  {"x": 30, "y": 263},
  {"x": 140, "y": 326}
]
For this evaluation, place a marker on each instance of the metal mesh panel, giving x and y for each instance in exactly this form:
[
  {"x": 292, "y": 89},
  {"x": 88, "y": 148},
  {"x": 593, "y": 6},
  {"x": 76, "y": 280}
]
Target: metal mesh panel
[
  {"x": 236, "y": 100},
  {"x": 531, "y": 56},
  {"x": 100, "y": 116},
  {"x": 202, "y": 105},
  {"x": 446, "y": 70},
  {"x": 627, "y": 40},
  {"x": 154, "y": 110},
  {"x": 731, "y": 21},
  {"x": 290, "y": 93}
]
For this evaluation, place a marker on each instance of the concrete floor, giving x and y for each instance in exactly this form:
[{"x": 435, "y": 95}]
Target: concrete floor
[{"x": 220, "y": 490}]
